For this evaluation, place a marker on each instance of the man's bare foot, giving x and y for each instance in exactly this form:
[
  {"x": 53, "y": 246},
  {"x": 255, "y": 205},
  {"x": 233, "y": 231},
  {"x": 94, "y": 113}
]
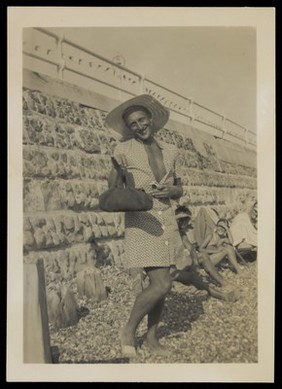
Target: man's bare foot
[
  {"x": 127, "y": 342},
  {"x": 228, "y": 294},
  {"x": 240, "y": 269},
  {"x": 231, "y": 295},
  {"x": 155, "y": 347},
  {"x": 224, "y": 283},
  {"x": 243, "y": 272}
]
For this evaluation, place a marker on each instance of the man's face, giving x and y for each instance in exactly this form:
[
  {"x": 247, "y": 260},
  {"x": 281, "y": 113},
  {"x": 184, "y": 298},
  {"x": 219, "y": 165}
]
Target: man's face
[
  {"x": 221, "y": 231},
  {"x": 140, "y": 124},
  {"x": 183, "y": 223}
]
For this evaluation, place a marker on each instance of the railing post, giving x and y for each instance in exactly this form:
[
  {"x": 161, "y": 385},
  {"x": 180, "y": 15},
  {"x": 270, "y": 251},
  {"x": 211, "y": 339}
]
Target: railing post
[
  {"x": 223, "y": 128},
  {"x": 141, "y": 81},
  {"x": 191, "y": 111},
  {"x": 61, "y": 59},
  {"x": 193, "y": 114},
  {"x": 188, "y": 102},
  {"x": 246, "y": 136}
]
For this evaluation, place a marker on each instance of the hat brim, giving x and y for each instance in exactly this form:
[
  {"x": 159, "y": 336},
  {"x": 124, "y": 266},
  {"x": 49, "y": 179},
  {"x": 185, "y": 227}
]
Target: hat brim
[
  {"x": 182, "y": 216},
  {"x": 223, "y": 226},
  {"x": 115, "y": 122}
]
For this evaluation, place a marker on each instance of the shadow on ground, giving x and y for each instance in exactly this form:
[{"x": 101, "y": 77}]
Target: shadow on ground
[{"x": 179, "y": 312}]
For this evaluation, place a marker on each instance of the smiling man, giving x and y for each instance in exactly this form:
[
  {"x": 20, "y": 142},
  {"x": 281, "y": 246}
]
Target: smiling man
[{"x": 151, "y": 237}]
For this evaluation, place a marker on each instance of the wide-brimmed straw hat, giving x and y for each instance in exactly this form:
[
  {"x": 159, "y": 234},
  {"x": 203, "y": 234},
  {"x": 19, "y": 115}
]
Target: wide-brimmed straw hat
[{"x": 114, "y": 120}]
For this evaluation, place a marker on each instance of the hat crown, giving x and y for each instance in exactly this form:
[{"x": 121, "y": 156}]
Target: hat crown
[{"x": 115, "y": 120}]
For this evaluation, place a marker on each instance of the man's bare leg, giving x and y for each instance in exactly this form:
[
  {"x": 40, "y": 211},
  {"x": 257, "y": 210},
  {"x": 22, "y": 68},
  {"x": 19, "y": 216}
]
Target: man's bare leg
[
  {"x": 228, "y": 251},
  {"x": 232, "y": 258},
  {"x": 153, "y": 320},
  {"x": 210, "y": 268},
  {"x": 216, "y": 258},
  {"x": 146, "y": 301}
]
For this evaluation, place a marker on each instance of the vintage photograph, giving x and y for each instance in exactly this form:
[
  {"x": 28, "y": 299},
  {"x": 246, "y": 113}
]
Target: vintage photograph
[{"x": 140, "y": 195}]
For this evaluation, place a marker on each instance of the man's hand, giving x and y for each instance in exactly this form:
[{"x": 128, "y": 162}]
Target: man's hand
[{"x": 167, "y": 191}]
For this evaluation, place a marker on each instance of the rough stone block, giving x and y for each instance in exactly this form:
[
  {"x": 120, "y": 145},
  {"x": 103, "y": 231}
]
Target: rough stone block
[
  {"x": 62, "y": 307},
  {"x": 96, "y": 231},
  {"x": 90, "y": 284}
]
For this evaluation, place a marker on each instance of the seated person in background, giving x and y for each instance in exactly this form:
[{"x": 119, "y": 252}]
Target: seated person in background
[
  {"x": 185, "y": 270},
  {"x": 218, "y": 245},
  {"x": 243, "y": 230}
]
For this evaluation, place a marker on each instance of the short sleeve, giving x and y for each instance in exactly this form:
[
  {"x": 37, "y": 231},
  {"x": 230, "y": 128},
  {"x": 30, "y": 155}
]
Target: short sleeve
[{"x": 118, "y": 151}]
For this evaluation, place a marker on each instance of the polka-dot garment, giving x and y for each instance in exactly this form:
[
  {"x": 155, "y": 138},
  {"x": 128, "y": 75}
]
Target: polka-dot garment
[{"x": 152, "y": 237}]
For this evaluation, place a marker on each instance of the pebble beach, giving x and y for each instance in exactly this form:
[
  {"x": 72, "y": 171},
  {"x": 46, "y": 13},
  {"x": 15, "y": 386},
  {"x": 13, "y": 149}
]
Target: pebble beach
[{"x": 195, "y": 327}]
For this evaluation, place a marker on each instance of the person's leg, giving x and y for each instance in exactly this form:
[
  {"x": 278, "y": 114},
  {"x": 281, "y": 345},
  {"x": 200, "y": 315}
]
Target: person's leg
[
  {"x": 216, "y": 258},
  {"x": 153, "y": 320},
  {"x": 146, "y": 301},
  {"x": 226, "y": 293},
  {"x": 230, "y": 295},
  {"x": 210, "y": 268},
  {"x": 232, "y": 258},
  {"x": 137, "y": 277},
  {"x": 155, "y": 314},
  {"x": 228, "y": 251},
  {"x": 190, "y": 277}
]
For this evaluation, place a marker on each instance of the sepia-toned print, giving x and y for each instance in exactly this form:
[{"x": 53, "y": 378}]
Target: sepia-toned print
[{"x": 141, "y": 206}]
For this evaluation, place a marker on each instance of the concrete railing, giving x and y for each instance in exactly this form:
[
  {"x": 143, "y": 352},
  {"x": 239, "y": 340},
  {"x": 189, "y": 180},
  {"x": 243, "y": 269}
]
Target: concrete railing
[{"x": 51, "y": 54}]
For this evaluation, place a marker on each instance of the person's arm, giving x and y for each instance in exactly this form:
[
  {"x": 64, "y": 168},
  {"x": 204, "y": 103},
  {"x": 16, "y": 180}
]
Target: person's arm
[
  {"x": 187, "y": 244},
  {"x": 225, "y": 241},
  {"x": 190, "y": 248},
  {"x": 205, "y": 242},
  {"x": 174, "y": 191},
  {"x": 114, "y": 179}
]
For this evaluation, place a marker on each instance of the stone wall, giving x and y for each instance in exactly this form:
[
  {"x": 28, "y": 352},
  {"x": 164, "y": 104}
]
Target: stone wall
[{"x": 66, "y": 161}]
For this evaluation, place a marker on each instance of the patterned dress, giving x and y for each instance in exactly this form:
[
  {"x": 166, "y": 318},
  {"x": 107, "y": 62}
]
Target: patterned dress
[{"x": 152, "y": 237}]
